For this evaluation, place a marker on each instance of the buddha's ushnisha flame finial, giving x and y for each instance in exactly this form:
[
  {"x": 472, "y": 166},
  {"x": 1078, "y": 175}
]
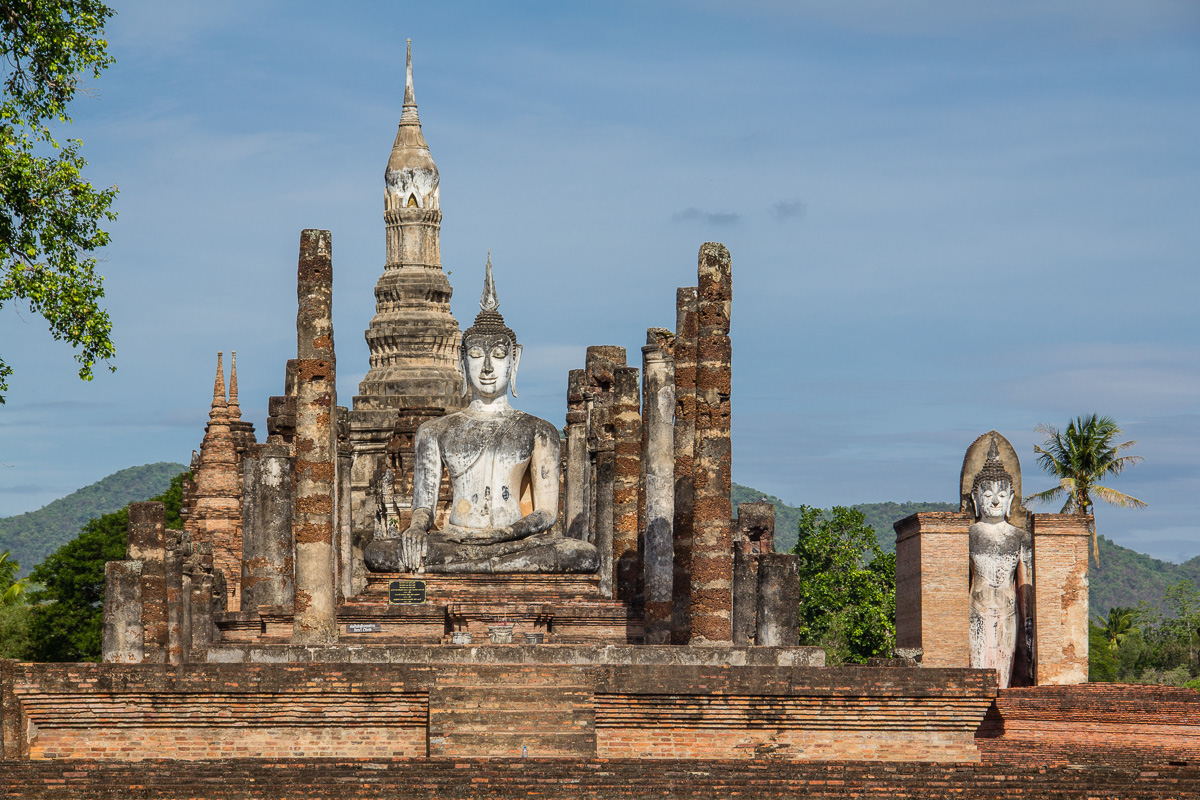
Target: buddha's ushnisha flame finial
[
  {"x": 489, "y": 301},
  {"x": 489, "y": 320}
]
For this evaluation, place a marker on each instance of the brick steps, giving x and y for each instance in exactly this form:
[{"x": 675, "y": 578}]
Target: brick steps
[{"x": 534, "y": 779}]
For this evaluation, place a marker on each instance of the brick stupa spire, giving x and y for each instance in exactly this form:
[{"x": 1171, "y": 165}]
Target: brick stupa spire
[{"x": 215, "y": 515}]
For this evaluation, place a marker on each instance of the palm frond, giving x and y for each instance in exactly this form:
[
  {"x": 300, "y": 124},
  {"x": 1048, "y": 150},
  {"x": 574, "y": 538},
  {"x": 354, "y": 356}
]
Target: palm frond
[{"x": 1115, "y": 498}]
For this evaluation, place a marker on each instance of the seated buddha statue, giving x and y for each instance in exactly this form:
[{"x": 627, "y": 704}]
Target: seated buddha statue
[
  {"x": 503, "y": 466},
  {"x": 1000, "y": 580}
]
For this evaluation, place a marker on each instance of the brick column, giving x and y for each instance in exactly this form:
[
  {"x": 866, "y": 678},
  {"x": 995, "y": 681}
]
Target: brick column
[
  {"x": 122, "y": 643},
  {"x": 351, "y": 570},
  {"x": 712, "y": 542},
  {"x": 144, "y": 543},
  {"x": 627, "y": 429},
  {"x": 777, "y": 615},
  {"x": 173, "y": 585},
  {"x": 575, "y": 516},
  {"x": 684, "y": 353},
  {"x": 267, "y": 545},
  {"x": 745, "y": 596},
  {"x": 932, "y": 592},
  {"x": 604, "y": 514},
  {"x": 1060, "y": 584},
  {"x": 314, "y": 476},
  {"x": 200, "y": 609},
  {"x": 658, "y": 467}
]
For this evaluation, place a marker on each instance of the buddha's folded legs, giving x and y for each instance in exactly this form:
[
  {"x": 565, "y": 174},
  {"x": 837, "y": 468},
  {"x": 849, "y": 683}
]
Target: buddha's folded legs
[{"x": 539, "y": 553}]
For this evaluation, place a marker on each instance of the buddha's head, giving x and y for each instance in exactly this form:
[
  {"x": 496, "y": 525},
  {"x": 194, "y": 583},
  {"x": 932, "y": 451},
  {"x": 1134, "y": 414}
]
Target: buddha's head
[
  {"x": 993, "y": 489},
  {"x": 489, "y": 355}
]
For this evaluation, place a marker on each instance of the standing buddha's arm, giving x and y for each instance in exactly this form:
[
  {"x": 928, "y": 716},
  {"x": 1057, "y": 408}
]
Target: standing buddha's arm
[{"x": 427, "y": 476}]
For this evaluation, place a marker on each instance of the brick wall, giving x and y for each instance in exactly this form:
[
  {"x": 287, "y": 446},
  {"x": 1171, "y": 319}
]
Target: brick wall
[
  {"x": 1105, "y": 723},
  {"x": 1060, "y": 580},
  {"x": 560, "y": 710},
  {"x": 932, "y": 593}
]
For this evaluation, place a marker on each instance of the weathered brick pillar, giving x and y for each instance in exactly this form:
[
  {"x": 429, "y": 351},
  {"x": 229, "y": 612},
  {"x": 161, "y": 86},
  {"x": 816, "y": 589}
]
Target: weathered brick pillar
[
  {"x": 575, "y": 516},
  {"x": 685, "y": 445},
  {"x": 314, "y": 476},
  {"x": 173, "y": 574},
  {"x": 1060, "y": 584},
  {"x": 932, "y": 595},
  {"x": 627, "y": 429},
  {"x": 122, "y": 633},
  {"x": 658, "y": 468},
  {"x": 200, "y": 609},
  {"x": 601, "y": 365},
  {"x": 777, "y": 616},
  {"x": 144, "y": 543},
  {"x": 267, "y": 544},
  {"x": 352, "y": 576},
  {"x": 604, "y": 514},
  {"x": 712, "y": 541},
  {"x": 745, "y": 596}
]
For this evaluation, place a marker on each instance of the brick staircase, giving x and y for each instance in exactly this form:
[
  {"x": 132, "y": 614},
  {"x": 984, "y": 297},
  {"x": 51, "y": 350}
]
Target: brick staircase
[
  {"x": 535, "y": 779},
  {"x": 565, "y": 609}
]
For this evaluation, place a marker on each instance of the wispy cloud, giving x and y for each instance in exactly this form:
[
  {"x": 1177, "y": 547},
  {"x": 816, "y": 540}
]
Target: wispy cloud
[
  {"x": 788, "y": 209},
  {"x": 709, "y": 217}
]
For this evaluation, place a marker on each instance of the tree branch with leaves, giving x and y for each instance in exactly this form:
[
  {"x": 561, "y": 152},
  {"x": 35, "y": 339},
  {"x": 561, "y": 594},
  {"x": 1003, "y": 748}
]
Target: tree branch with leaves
[{"x": 49, "y": 215}]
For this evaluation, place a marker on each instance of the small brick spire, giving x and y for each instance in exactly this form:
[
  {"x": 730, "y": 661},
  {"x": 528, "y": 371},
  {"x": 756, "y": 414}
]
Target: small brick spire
[
  {"x": 219, "y": 401},
  {"x": 235, "y": 410}
]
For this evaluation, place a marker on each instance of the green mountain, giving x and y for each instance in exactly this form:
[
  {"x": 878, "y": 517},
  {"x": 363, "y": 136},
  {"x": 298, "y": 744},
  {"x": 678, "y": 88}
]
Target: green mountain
[
  {"x": 36, "y": 534},
  {"x": 879, "y": 516},
  {"x": 1124, "y": 577}
]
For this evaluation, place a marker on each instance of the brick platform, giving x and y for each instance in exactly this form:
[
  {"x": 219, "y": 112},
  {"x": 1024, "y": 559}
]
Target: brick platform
[
  {"x": 1096, "y": 723},
  {"x": 553, "y": 779},
  {"x": 476, "y": 706}
]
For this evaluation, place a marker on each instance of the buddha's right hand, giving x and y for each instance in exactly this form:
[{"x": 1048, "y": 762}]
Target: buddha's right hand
[{"x": 414, "y": 544}]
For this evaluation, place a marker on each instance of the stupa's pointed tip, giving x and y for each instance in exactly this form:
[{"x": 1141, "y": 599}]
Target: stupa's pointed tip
[
  {"x": 489, "y": 301},
  {"x": 409, "y": 96}
]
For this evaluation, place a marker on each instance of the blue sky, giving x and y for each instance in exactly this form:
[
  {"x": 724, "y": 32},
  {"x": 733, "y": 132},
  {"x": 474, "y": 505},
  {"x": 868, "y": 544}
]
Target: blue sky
[{"x": 944, "y": 218}]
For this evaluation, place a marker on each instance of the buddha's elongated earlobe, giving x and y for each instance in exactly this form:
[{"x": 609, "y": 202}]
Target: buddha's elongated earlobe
[{"x": 512, "y": 377}]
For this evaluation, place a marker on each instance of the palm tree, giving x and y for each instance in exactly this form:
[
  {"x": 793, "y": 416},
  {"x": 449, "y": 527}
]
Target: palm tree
[
  {"x": 1080, "y": 457},
  {"x": 1118, "y": 625},
  {"x": 10, "y": 588}
]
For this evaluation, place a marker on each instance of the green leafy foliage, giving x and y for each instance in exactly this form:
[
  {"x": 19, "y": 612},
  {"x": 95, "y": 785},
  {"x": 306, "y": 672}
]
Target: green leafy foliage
[
  {"x": 34, "y": 535},
  {"x": 1102, "y": 664},
  {"x": 15, "y": 638},
  {"x": 66, "y": 622},
  {"x": 1080, "y": 457},
  {"x": 12, "y": 589},
  {"x": 49, "y": 215},
  {"x": 847, "y": 586},
  {"x": 1118, "y": 625},
  {"x": 1161, "y": 645}
]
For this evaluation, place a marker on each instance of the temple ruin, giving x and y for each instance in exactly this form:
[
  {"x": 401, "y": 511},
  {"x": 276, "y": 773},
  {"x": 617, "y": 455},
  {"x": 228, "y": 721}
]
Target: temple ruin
[{"x": 427, "y": 591}]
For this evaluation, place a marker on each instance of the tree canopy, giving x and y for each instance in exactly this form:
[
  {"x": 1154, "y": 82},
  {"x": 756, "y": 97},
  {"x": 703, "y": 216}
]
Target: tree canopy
[
  {"x": 49, "y": 215},
  {"x": 847, "y": 586}
]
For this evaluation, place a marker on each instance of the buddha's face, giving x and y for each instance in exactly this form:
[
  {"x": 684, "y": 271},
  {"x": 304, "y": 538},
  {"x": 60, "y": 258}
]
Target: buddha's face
[
  {"x": 993, "y": 499},
  {"x": 490, "y": 364}
]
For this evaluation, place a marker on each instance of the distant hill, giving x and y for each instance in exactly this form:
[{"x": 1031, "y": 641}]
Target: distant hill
[
  {"x": 1124, "y": 578},
  {"x": 880, "y": 516},
  {"x": 36, "y": 534}
]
